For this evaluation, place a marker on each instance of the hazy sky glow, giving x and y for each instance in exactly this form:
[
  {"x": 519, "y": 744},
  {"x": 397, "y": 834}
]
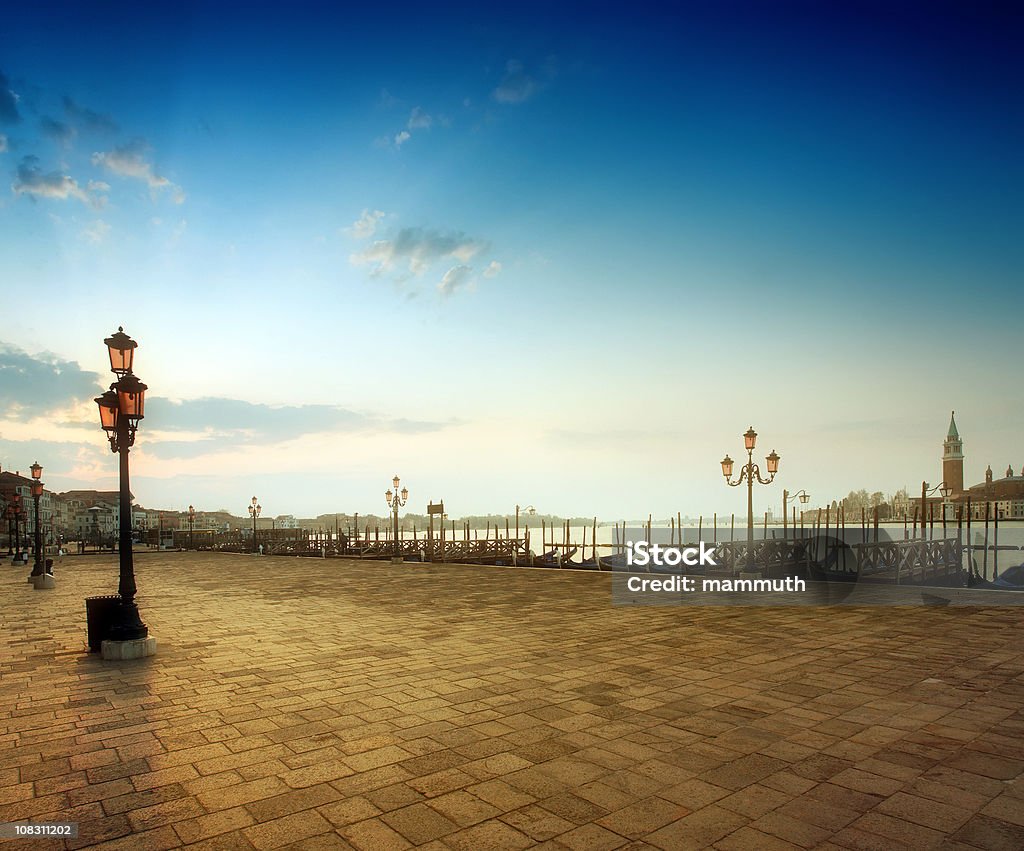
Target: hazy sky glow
[{"x": 552, "y": 256}]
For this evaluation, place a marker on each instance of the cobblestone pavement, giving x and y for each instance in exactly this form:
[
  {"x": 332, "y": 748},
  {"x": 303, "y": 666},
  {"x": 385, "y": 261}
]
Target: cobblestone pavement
[{"x": 335, "y": 704}]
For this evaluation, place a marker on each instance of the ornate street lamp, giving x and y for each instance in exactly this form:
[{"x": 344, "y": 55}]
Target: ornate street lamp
[
  {"x": 191, "y": 525},
  {"x": 786, "y": 496},
  {"x": 254, "y": 511},
  {"x": 942, "y": 488},
  {"x": 528, "y": 510},
  {"x": 9, "y": 512},
  {"x": 120, "y": 408},
  {"x": 38, "y": 568},
  {"x": 17, "y": 515},
  {"x": 395, "y": 502},
  {"x": 749, "y": 472}
]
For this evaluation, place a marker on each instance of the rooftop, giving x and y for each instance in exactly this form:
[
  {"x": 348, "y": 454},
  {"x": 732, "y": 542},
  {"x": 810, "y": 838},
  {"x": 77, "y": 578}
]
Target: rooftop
[{"x": 344, "y": 704}]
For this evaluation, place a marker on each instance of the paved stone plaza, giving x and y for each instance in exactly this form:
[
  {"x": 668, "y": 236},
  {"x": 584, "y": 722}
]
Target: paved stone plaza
[{"x": 337, "y": 704}]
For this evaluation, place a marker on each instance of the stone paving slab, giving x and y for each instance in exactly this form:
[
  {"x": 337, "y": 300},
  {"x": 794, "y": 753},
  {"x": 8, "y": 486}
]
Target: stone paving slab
[{"x": 301, "y": 703}]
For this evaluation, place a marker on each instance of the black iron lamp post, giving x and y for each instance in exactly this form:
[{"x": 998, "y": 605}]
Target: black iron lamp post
[
  {"x": 10, "y": 512},
  {"x": 942, "y": 488},
  {"x": 786, "y": 496},
  {"x": 749, "y": 472},
  {"x": 37, "y": 491},
  {"x": 396, "y": 501},
  {"x": 254, "y": 511},
  {"x": 19, "y": 516},
  {"x": 529, "y": 509},
  {"x": 121, "y": 408},
  {"x": 191, "y": 525}
]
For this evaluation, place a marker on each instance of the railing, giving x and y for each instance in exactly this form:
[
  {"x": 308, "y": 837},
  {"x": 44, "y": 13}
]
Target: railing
[
  {"x": 770, "y": 554},
  {"x": 910, "y": 561}
]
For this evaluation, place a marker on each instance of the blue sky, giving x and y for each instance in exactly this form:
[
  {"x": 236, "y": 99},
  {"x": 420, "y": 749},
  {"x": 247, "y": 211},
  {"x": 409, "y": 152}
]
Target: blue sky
[{"x": 560, "y": 256}]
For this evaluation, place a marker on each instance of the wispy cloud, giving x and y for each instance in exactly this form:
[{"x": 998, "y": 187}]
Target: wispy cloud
[
  {"x": 33, "y": 182},
  {"x": 8, "y": 102},
  {"x": 96, "y": 232},
  {"x": 419, "y": 120},
  {"x": 463, "y": 277},
  {"x": 129, "y": 160},
  {"x": 88, "y": 119},
  {"x": 455, "y": 278},
  {"x": 43, "y": 381},
  {"x": 213, "y": 424},
  {"x": 516, "y": 86},
  {"x": 418, "y": 249},
  {"x": 366, "y": 225},
  {"x": 60, "y": 132}
]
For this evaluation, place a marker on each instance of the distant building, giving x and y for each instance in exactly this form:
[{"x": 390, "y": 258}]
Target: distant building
[
  {"x": 92, "y": 515},
  {"x": 1004, "y": 495},
  {"x": 51, "y": 509}
]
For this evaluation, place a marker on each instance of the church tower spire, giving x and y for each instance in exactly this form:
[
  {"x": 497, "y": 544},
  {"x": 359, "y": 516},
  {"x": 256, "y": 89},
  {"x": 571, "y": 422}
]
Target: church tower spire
[{"x": 953, "y": 458}]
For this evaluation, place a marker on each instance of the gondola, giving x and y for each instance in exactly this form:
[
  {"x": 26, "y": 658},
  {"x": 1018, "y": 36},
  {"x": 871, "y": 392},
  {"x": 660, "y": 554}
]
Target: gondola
[
  {"x": 552, "y": 558},
  {"x": 619, "y": 561}
]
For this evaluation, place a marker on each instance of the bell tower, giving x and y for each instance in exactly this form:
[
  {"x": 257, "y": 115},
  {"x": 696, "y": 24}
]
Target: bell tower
[{"x": 953, "y": 458}]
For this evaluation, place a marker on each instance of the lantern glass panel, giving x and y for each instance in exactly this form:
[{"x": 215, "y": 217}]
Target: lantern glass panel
[
  {"x": 132, "y": 402},
  {"x": 108, "y": 406},
  {"x": 121, "y": 349},
  {"x": 749, "y": 439},
  {"x": 773, "y": 463},
  {"x": 727, "y": 466}
]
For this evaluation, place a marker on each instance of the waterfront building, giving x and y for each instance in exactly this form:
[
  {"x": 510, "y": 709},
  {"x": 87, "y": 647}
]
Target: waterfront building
[{"x": 1002, "y": 497}]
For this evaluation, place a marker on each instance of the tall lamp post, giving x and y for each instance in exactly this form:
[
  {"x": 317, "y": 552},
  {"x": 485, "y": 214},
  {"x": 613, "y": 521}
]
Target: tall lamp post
[
  {"x": 786, "y": 496},
  {"x": 191, "y": 525},
  {"x": 396, "y": 501},
  {"x": 749, "y": 472},
  {"x": 18, "y": 514},
  {"x": 121, "y": 408},
  {"x": 529, "y": 510},
  {"x": 37, "y": 492},
  {"x": 942, "y": 488},
  {"x": 254, "y": 511},
  {"x": 10, "y": 512}
]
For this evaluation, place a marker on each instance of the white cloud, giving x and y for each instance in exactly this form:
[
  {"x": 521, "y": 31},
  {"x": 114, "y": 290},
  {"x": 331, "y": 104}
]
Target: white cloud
[
  {"x": 418, "y": 248},
  {"x": 493, "y": 269},
  {"x": 96, "y": 232},
  {"x": 129, "y": 160},
  {"x": 98, "y": 186},
  {"x": 516, "y": 86},
  {"x": 419, "y": 120},
  {"x": 366, "y": 225},
  {"x": 454, "y": 278},
  {"x": 32, "y": 182},
  {"x": 403, "y": 136}
]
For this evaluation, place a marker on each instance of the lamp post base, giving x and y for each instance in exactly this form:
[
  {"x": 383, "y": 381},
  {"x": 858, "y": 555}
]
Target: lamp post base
[
  {"x": 126, "y": 625},
  {"x": 134, "y": 649},
  {"x": 44, "y": 580}
]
